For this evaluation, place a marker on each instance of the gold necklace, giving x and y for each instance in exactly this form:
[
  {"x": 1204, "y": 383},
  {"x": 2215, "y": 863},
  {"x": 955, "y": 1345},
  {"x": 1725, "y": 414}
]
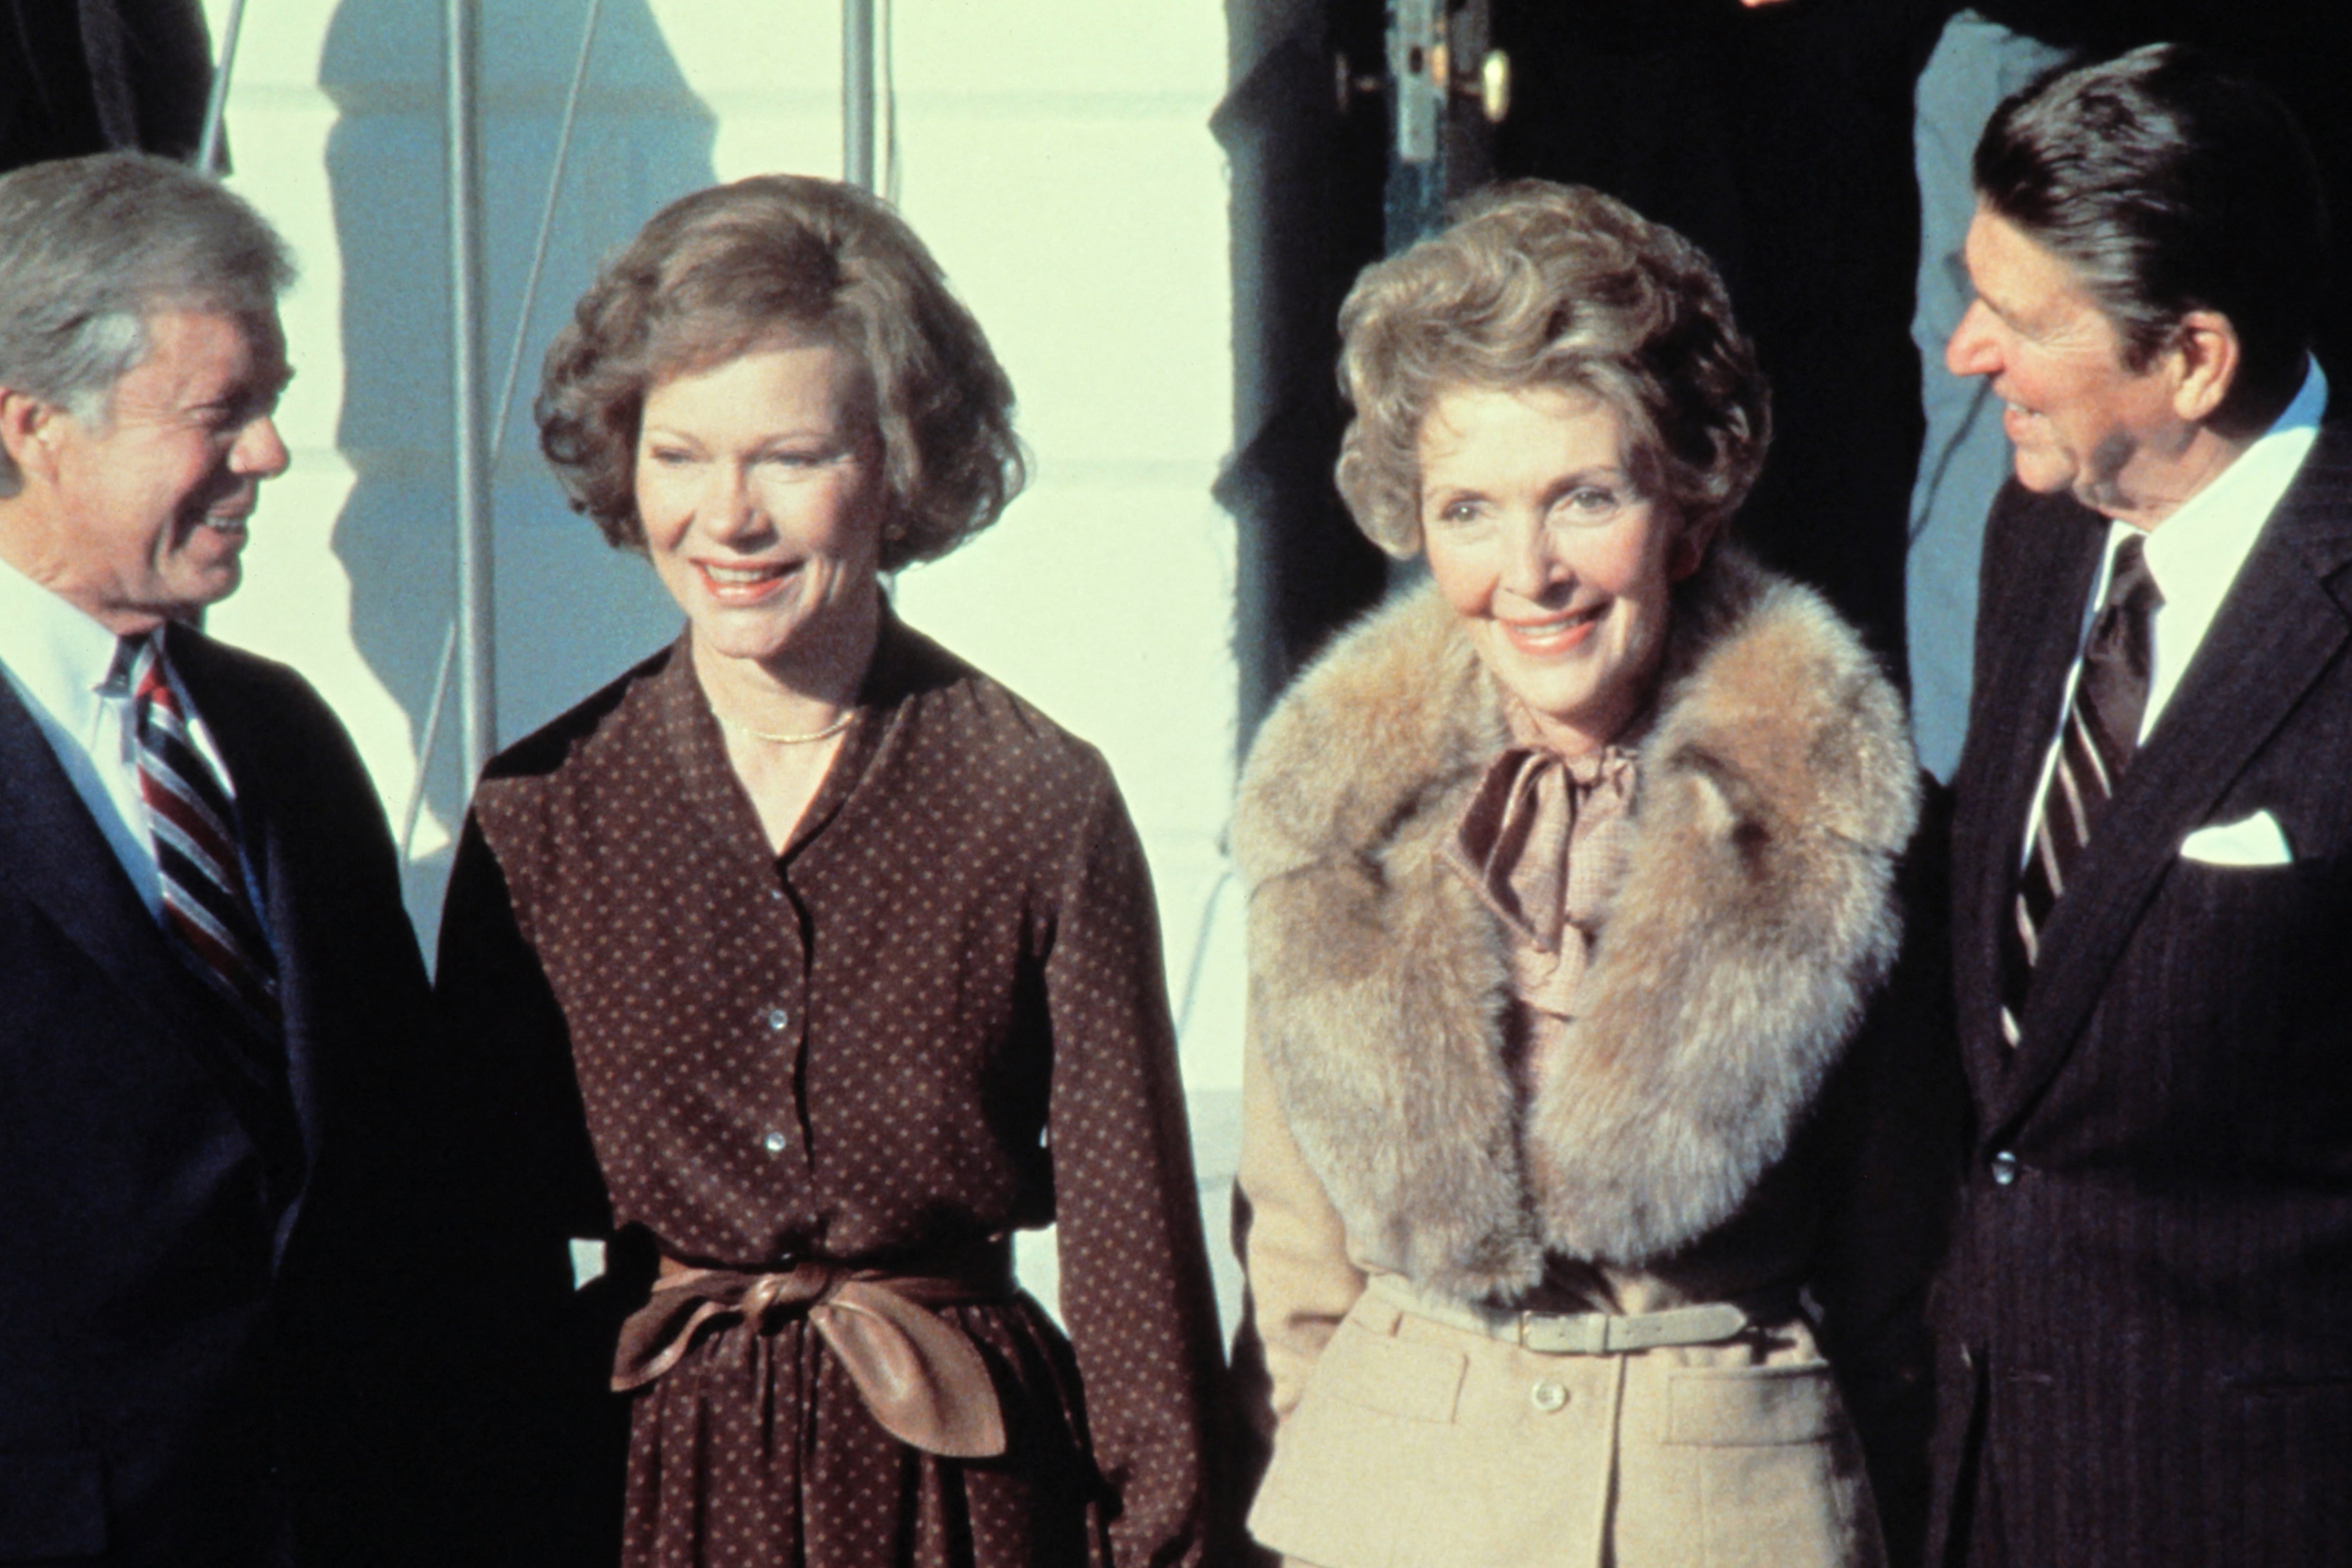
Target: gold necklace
[{"x": 827, "y": 733}]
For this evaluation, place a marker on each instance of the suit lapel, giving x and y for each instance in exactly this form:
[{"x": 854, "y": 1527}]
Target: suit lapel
[
  {"x": 2044, "y": 554},
  {"x": 2279, "y": 628},
  {"x": 52, "y": 851}
]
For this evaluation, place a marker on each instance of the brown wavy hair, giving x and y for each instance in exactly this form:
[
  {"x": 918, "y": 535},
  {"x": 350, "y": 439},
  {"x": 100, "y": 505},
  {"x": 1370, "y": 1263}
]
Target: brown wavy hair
[
  {"x": 1538, "y": 285},
  {"x": 786, "y": 258}
]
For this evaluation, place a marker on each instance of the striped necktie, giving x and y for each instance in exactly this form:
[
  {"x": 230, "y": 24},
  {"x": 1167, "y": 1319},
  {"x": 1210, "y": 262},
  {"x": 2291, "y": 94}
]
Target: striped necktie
[
  {"x": 206, "y": 908},
  {"x": 2101, "y": 733}
]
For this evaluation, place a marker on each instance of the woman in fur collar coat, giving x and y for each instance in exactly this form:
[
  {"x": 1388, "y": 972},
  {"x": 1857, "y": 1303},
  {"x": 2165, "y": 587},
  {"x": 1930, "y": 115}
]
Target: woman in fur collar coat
[{"x": 1571, "y": 874}]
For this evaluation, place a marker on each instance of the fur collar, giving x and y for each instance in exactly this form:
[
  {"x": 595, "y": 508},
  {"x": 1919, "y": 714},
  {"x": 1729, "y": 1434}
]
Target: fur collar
[{"x": 1776, "y": 788}]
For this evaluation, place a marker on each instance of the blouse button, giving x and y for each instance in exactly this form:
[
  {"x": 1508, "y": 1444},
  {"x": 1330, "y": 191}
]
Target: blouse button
[
  {"x": 773, "y": 1142},
  {"x": 1548, "y": 1396},
  {"x": 778, "y": 1018}
]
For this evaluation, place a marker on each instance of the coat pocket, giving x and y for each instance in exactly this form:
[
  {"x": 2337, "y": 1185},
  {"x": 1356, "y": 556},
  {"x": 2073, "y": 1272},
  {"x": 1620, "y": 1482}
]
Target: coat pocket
[
  {"x": 1779, "y": 1470},
  {"x": 1356, "y": 1464},
  {"x": 1393, "y": 1376},
  {"x": 52, "y": 1504}
]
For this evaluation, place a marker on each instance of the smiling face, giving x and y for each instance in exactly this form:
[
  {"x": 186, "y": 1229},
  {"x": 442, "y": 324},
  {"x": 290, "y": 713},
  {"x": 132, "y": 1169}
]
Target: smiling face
[
  {"x": 759, "y": 482},
  {"x": 138, "y": 513},
  {"x": 2080, "y": 419},
  {"x": 1538, "y": 539}
]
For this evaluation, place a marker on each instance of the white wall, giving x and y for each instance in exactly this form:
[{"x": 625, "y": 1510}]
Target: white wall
[{"x": 1057, "y": 160}]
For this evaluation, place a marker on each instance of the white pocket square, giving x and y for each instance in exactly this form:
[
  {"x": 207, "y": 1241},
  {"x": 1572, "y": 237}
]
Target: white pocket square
[{"x": 2256, "y": 840}]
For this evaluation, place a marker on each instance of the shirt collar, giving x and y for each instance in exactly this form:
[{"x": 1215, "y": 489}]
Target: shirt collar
[
  {"x": 2196, "y": 553},
  {"x": 58, "y": 654}
]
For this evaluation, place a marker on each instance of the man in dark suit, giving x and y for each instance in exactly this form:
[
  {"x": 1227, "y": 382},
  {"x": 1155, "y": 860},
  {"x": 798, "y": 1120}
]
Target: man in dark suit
[
  {"x": 2146, "y": 1319},
  {"x": 211, "y": 1009}
]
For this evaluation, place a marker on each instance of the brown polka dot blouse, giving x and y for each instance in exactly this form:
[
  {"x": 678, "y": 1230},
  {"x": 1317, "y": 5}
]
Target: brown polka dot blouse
[{"x": 939, "y": 1015}]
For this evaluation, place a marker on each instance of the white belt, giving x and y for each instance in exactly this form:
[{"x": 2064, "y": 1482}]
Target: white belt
[{"x": 1583, "y": 1333}]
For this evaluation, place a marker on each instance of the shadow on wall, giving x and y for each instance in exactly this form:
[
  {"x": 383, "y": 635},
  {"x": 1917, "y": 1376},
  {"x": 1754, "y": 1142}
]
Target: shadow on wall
[{"x": 571, "y": 614}]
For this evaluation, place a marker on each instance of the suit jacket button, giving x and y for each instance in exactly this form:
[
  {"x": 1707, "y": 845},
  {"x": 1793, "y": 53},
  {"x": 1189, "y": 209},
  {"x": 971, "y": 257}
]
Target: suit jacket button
[
  {"x": 1548, "y": 1396},
  {"x": 2005, "y": 1168}
]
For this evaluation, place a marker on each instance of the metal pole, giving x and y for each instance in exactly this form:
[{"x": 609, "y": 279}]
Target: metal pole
[
  {"x": 546, "y": 228},
  {"x": 216, "y": 101},
  {"x": 886, "y": 118},
  {"x": 415, "y": 806},
  {"x": 477, "y": 692},
  {"x": 857, "y": 92}
]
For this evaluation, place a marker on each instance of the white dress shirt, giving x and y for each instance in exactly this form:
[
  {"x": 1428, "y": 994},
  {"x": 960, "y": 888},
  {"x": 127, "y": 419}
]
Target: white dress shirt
[
  {"x": 57, "y": 659},
  {"x": 2195, "y": 555}
]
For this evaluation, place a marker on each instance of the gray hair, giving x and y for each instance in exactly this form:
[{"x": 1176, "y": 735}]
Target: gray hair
[{"x": 90, "y": 247}]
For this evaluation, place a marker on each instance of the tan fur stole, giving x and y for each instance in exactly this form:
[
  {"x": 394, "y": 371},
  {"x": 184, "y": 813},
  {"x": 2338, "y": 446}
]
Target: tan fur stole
[{"x": 1777, "y": 787}]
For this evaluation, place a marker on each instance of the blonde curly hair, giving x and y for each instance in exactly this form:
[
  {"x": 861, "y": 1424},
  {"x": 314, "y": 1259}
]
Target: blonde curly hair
[{"x": 1539, "y": 285}]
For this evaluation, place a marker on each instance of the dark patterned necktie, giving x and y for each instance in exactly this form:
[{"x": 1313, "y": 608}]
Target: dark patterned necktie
[
  {"x": 2102, "y": 731},
  {"x": 206, "y": 909}
]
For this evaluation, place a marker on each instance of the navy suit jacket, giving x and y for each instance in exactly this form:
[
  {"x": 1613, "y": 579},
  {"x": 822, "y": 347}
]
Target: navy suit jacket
[
  {"x": 2146, "y": 1319},
  {"x": 209, "y": 1288}
]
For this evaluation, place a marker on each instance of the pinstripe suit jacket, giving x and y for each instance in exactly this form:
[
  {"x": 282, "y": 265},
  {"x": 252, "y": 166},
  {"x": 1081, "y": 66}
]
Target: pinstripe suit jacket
[
  {"x": 205, "y": 1285},
  {"x": 2146, "y": 1319}
]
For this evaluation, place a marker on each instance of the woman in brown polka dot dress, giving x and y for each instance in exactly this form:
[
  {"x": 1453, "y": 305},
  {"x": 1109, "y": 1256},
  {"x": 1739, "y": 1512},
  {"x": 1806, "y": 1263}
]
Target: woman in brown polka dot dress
[{"x": 852, "y": 950}]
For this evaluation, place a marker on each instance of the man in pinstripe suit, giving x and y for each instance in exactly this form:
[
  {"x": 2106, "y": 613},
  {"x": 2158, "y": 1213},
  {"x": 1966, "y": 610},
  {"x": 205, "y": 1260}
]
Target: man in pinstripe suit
[{"x": 2146, "y": 1319}]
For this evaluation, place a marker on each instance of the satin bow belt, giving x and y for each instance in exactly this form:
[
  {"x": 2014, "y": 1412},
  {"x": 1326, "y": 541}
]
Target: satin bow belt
[{"x": 919, "y": 1376}]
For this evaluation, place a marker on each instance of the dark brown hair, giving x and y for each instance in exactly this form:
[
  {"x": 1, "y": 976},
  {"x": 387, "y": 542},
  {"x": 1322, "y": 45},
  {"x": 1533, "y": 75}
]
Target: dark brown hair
[{"x": 2169, "y": 185}]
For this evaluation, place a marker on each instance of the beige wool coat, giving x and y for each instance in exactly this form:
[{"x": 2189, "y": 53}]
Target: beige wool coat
[{"x": 1681, "y": 1154}]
